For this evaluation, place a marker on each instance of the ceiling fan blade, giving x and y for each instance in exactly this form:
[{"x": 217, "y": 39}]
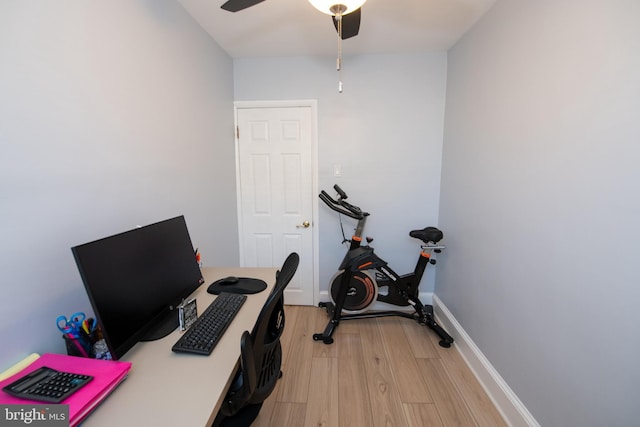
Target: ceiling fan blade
[
  {"x": 350, "y": 23},
  {"x": 237, "y": 5}
]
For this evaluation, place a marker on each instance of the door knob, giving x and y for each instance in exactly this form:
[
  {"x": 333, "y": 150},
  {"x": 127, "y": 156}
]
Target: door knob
[{"x": 305, "y": 224}]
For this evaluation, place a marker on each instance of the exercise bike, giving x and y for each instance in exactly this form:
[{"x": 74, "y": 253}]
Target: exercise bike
[{"x": 362, "y": 274}]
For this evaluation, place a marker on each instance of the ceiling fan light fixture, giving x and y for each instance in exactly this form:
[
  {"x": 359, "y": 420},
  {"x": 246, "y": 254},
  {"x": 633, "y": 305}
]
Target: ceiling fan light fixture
[{"x": 337, "y": 7}]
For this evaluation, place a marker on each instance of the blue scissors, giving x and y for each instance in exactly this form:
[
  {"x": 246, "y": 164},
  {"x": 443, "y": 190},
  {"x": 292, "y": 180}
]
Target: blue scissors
[{"x": 71, "y": 325}]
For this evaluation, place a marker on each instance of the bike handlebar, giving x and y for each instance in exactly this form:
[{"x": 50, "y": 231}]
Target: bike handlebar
[
  {"x": 341, "y": 206},
  {"x": 342, "y": 194}
]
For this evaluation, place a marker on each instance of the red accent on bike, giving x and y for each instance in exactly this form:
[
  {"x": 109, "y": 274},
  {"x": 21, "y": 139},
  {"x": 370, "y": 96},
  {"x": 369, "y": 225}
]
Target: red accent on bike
[
  {"x": 357, "y": 239},
  {"x": 366, "y": 264}
]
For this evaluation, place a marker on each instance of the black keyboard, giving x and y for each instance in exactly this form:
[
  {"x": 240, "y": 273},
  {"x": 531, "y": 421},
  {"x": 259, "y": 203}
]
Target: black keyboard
[{"x": 204, "y": 334}]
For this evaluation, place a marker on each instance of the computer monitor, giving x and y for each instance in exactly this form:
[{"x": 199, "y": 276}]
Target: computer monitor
[{"x": 135, "y": 280}]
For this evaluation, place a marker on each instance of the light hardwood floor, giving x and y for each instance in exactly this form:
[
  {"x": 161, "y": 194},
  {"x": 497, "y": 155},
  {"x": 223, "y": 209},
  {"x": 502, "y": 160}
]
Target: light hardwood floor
[{"x": 378, "y": 372}]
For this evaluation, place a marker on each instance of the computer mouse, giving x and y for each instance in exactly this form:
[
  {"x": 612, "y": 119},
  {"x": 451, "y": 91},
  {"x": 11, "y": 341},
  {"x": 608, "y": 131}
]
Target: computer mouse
[{"x": 231, "y": 280}]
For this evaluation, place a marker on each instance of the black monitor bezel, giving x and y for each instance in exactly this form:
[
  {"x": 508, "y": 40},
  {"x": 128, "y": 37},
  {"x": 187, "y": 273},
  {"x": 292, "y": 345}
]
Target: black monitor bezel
[{"x": 165, "y": 318}]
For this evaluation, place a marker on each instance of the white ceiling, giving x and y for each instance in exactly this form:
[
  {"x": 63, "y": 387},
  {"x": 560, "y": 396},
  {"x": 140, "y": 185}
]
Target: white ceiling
[{"x": 295, "y": 28}]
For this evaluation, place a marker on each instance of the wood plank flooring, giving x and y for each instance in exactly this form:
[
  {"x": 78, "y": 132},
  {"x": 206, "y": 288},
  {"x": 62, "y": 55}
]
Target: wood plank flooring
[{"x": 378, "y": 372}]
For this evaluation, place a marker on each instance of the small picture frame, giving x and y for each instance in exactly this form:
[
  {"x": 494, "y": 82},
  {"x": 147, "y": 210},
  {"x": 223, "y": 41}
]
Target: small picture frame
[{"x": 187, "y": 314}]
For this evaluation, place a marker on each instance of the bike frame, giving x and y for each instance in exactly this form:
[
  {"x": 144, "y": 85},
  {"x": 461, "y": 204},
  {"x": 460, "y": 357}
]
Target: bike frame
[{"x": 402, "y": 290}]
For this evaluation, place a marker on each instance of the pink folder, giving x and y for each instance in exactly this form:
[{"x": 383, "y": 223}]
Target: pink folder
[{"x": 107, "y": 375}]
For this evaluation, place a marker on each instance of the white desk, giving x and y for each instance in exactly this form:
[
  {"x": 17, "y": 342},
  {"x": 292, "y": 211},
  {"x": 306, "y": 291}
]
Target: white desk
[{"x": 170, "y": 389}]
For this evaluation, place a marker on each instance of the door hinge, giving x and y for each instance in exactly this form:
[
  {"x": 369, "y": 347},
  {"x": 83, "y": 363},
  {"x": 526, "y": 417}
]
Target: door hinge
[{"x": 237, "y": 132}]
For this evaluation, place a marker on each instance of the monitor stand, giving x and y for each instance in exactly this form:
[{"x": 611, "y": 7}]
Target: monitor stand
[{"x": 163, "y": 327}]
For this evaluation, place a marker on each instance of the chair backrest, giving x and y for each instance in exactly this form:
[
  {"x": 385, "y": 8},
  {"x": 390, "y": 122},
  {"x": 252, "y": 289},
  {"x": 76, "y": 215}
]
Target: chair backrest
[{"x": 261, "y": 351}]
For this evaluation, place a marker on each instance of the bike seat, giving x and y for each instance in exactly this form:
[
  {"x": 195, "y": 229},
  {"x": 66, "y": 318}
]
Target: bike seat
[{"x": 428, "y": 234}]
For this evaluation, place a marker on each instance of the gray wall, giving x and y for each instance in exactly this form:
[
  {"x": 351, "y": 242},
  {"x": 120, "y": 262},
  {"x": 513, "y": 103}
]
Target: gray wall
[
  {"x": 385, "y": 130},
  {"x": 540, "y": 202},
  {"x": 112, "y": 114}
]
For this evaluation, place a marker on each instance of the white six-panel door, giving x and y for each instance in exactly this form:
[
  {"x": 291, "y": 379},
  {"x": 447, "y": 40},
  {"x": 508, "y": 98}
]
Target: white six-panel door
[{"x": 276, "y": 167}]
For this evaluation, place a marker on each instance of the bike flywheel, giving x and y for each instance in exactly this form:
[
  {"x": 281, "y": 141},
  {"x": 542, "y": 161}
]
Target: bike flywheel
[{"x": 361, "y": 294}]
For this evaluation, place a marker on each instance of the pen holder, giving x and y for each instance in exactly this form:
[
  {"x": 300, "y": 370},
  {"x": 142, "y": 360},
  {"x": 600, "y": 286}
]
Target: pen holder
[
  {"x": 90, "y": 345},
  {"x": 80, "y": 345}
]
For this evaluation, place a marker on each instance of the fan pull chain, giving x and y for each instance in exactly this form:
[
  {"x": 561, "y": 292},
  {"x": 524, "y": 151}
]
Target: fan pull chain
[{"x": 339, "y": 62}]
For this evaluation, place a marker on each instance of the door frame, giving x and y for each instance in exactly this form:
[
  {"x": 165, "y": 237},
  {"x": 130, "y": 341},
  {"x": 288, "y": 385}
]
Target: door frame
[{"x": 310, "y": 103}]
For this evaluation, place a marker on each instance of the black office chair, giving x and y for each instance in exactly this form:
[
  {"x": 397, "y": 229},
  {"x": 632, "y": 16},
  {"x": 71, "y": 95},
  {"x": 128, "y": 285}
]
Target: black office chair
[{"x": 260, "y": 358}]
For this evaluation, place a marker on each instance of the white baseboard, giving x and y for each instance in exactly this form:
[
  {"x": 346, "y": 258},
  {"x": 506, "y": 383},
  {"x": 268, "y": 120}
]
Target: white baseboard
[{"x": 505, "y": 400}]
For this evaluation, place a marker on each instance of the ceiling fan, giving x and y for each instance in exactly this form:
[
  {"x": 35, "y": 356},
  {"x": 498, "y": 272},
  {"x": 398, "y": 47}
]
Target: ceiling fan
[{"x": 345, "y": 14}]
